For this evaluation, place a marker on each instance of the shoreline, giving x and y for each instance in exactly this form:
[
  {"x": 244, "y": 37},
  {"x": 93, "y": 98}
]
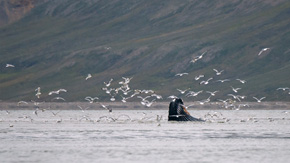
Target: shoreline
[{"x": 138, "y": 106}]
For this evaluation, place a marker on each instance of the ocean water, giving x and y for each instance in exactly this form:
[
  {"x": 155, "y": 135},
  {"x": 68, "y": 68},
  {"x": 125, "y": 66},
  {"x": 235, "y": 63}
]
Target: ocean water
[{"x": 144, "y": 136}]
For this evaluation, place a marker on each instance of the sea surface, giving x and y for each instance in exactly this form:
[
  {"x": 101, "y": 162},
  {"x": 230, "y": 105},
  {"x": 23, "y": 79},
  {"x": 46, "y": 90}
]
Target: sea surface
[{"x": 144, "y": 136}]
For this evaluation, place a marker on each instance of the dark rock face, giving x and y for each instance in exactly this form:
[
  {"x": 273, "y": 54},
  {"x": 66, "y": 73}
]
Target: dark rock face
[{"x": 13, "y": 10}]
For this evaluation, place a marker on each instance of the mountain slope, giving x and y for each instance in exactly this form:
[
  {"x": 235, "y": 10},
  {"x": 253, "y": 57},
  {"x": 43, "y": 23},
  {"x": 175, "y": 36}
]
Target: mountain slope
[{"x": 58, "y": 43}]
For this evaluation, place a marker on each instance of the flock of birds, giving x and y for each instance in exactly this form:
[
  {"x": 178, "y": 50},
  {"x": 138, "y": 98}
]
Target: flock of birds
[{"x": 149, "y": 97}]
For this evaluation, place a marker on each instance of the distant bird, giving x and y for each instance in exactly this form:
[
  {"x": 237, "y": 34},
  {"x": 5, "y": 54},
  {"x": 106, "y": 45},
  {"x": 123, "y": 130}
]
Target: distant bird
[
  {"x": 109, "y": 83},
  {"x": 89, "y": 76},
  {"x": 183, "y": 91},
  {"x": 212, "y": 93},
  {"x": 58, "y": 98},
  {"x": 242, "y": 81},
  {"x": 108, "y": 91},
  {"x": 235, "y": 97},
  {"x": 55, "y": 113},
  {"x": 127, "y": 80},
  {"x": 21, "y": 102},
  {"x": 235, "y": 89},
  {"x": 83, "y": 109},
  {"x": 143, "y": 98},
  {"x": 106, "y": 107},
  {"x": 259, "y": 100},
  {"x": 7, "y": 112},
  {"x": 59, "y": 121},
  {"x": 204, "y": 101},
  {"x": 91, "y": 99},
  {"x": 157, "y": 96},
  {"x": 284, "y": 88},
  {"x": 242, "y": 97},
  {"x": 205, "y": 82},
  {"x": 218, "y": 72},
  {"x": 38, "y": 93},
  {"x": 223, "y": 80},
  {"x": 198, "y": 77},
  {"x": 197, "y": 58},
  {"x": 36, "y": 111},
  {"x": 9, "y": 65},
  {"x": 239, "y": 106},
  {"x": 107, "y": 47},
  {"x": 192, "y": 93},
  {"x": 172, "y": 97},
  {"x": 147, "y": 103},
  {"x": 181, "y": 74},
  {"x": 147, "y": 91},
  {"x": 57, "y": 92},
  {"x": 36, "y": 103},
  {"x": 124, "y": 99},
  {"x": 223, "y": 101},
  {"x": 263, "y": 50},
  {"x": 112, "y": 98},
  {"x": 187, "y": 106}
]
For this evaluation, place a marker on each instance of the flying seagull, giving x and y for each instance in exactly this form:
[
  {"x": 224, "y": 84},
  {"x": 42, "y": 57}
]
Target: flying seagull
[
  {"x": 183, "y": 91},
  {"x": 218, "y": 72},
  {"x": 223, "y": 80},
  {"x": 212, "y": 93},
  {"x": 197, "y": 58},
  {"x": 205, "y": 82},
  {"x": 181, "y": 74},
  {"x": 242, "y": 81},
  {"x": 89, "y": 76},
  {"x": 284, "y": 88},
  {"x": 259, "y": 100},
  {"x": 109, "y": 83},
  {"x": 9, "y": 65},
  {"x": 235, "y": 89},
  {"x": 263, "y": 50},
  {"x": 198, "y": 77}
]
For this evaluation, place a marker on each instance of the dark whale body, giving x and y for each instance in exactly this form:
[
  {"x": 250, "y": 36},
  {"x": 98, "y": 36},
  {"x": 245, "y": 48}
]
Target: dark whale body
[{"x": 177, "y": 112}]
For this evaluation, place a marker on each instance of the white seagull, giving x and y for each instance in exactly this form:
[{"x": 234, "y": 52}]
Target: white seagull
[
  {"x": 284, "y": 88},
  {"x": 235, "y": 89},
  {"x": 223, "y": 80},
  {"x": 181, "y": 74},
  {"x": 89, "y": 76},
  {"x": 183, "y": 91},
  {"x": 38, "y": 93},
  {"x": 197, "y": 58},
  {"x": 106, "y": 107},
  {"x": 172, "y": 97},
  {"x": 198, "y": 77},
  {"x": 218, "y": 72},
  {"x": 242, "y": 81},
  {"x": 205, "y": 82},
  {"x": 57, "y": 92},
  {"x": 9, "y": 65},
  {"x": 263, "y": 50},
  {"x": 192, "y": 93},
  {"x": 83, "y": 109},
  {"x": 259, "y": 100},
  {"x": 109, "y": 83},
  {"x": 91, "y": 99},
  {"x": 212, "y": 93},
  {"x": 58, "y": 98}
]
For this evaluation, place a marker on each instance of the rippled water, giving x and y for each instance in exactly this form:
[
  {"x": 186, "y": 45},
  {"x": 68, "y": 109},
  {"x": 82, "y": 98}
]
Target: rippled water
[{"x": 138, "y": 136}]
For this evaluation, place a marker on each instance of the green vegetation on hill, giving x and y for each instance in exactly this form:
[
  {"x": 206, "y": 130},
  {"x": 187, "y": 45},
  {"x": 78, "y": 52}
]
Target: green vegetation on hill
[{"x": 58, "y": 43}]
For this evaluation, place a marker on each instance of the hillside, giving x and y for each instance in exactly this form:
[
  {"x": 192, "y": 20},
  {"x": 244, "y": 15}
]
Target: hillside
[{"x": 55, "y": 44}]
